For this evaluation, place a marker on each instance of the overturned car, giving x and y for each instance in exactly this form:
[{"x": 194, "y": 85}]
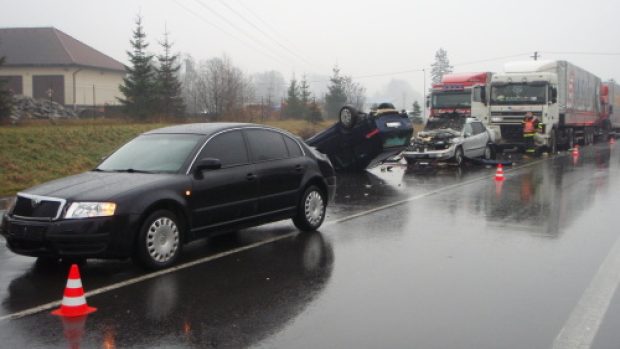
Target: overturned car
[
  {"x": 362, "y": 140},
  {"x": 451, "y": 138}
]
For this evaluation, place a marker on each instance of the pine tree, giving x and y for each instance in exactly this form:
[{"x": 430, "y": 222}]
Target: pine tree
[
  {"x": 304, "y": 97},
  {"x": 336, "y": 96},
  {"x": 6, "y": 98},
  {"x": 138, "y": 86},
  {"x": 168, "y": 85},
  {"x": 293, "y": 103},
  {"x": 417, "y": 111},
  {"x": 441, "y": 66},
  {"x": 314, "y": 114}
]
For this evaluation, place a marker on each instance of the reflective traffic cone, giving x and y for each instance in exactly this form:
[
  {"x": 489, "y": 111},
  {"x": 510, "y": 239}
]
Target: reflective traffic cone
[
  {"x": 576, "y": 150},
  {"x": 499, "y": 173},
  {"x": 73, "y": 300}
]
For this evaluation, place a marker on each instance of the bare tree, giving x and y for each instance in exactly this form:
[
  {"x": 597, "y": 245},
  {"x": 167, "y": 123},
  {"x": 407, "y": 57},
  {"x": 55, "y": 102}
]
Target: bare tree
[
  {"x": 223, "y": 89},
  {"x": 356, "y": 93},
  {"x": 270, "y": 86}
]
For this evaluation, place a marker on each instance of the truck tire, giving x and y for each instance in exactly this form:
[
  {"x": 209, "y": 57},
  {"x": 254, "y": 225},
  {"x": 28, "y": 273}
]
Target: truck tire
[{"x": 553, "y": 143}]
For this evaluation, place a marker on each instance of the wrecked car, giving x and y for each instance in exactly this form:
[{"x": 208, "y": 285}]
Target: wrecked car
[
  {"x": 363, "y": 140},
  {"x": 451, "y": 138}
]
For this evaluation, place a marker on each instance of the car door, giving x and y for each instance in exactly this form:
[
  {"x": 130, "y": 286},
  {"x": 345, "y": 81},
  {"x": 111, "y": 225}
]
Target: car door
[
  {"x": 228, "y": 194},
  {"x": 469, "y": 142},
  {"x": 279, "y": 173},
  {"x": 480, "y": 137}
]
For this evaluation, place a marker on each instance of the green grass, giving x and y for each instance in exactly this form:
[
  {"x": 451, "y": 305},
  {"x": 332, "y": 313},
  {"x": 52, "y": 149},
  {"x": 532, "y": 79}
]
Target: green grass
[{"x": 39, "y": 152}]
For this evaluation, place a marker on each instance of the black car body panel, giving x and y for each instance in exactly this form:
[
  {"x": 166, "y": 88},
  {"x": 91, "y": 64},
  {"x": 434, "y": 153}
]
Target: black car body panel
[
  {"x": 373, "y": 139},
  {"x": 206, "y": 202}
]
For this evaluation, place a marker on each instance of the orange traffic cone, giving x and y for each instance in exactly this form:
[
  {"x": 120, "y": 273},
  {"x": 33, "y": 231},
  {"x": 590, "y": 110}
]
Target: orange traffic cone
[
  {"x": 576, "y": 150},
  {"x": 499, "y": 173},
  {"x": 73, "y": 300}
]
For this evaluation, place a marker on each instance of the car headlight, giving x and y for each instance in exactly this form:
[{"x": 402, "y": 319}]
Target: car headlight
[
  {"x": 12, "y": 202},
  {"x": 90, "y": 209}
]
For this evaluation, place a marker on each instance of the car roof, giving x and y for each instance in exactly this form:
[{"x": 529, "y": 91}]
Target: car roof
[{"x": 206, "y": 128}]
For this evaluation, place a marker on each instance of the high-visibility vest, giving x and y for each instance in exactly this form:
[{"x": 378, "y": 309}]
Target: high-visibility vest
[{"x": 528, "y": 126}]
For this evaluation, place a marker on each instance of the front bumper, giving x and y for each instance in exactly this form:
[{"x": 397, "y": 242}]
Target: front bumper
[
  {"x": 103, "y": 237},
  {"x": 438, "y": 155}
]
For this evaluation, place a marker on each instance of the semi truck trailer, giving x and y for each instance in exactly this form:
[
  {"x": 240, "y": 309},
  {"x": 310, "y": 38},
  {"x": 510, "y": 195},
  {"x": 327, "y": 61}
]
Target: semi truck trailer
[{"x": 564, "y": 98}]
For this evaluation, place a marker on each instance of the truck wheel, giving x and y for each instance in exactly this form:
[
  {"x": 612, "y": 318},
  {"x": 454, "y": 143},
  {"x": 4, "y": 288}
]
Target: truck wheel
[
  {"x": 553, "y": 140},
  {"x": 348, "y": 117},
  {"x": 310, "y": 210},
  {"x": 571, "y": 139},
  {"x": 159, "y": 240}
]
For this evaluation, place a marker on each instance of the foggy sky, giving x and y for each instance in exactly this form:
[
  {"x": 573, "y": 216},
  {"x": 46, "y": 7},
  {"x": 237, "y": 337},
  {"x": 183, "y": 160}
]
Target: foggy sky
[{"x": 363, "y": 37}]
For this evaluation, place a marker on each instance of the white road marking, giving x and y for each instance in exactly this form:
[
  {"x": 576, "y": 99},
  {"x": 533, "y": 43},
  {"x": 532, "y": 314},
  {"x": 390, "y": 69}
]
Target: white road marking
[
  {"x": 583, "y": 324},
  {"x": 51, "y": 305}
]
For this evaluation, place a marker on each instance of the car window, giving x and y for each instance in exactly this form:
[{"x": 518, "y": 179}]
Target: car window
[
  {"x": 293, "y": 148},
  {"x": 477, "y": 127},
  {"x": 266, "y": 145},
  {"x": 229, "y": 147},
  {"x": 467, "y": 130}
]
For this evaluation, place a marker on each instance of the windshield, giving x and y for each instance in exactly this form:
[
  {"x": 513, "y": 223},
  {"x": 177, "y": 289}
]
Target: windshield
[
  {"x": 451, "y": 100},
  {"x": 152, "y": 153},
  {"x": 453, "y": 122},
  {"x": 521, "y": 93}
]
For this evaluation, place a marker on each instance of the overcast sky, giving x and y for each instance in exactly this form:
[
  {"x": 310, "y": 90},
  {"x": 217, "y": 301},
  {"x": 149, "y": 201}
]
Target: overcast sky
[{"x": 362, "y": 37}]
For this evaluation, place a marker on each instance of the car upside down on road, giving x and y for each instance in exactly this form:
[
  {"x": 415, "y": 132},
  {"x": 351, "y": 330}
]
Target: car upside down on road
[{"x": 363, "y": 140}]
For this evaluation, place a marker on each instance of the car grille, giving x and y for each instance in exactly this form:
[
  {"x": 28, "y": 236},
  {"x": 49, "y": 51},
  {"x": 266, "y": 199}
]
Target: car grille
[
  {"x": 426, "y": 147},
  {"x": 39, "y": 208}
]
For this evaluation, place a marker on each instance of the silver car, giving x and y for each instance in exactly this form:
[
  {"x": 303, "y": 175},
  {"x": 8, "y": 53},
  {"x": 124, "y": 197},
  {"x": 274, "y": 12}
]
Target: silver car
[{"x": 451, "y": 138}]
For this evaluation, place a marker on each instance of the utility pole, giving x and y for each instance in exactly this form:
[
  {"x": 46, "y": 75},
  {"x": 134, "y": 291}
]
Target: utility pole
[
  {"x": 94, "y": 103},
  {"x": 536, "y": 55},
  {"x": 424, "y": 95}
]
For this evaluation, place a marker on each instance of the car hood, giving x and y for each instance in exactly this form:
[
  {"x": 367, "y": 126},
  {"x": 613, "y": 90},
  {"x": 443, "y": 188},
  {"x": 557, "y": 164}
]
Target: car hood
[
  {"x": 439, "y": 134},
  {"x": 93, "y": 186}
]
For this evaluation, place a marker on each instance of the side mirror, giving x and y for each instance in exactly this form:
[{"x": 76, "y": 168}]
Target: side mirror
[
  {"x": 554, "y": 95},
  {"x": 428, "y": 103},
  {"x": 483, "y": 95},
  {"x": 208, "y": 164}
]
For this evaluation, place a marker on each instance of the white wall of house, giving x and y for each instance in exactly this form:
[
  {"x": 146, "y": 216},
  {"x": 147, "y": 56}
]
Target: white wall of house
[{"x": 105, "y": 83}]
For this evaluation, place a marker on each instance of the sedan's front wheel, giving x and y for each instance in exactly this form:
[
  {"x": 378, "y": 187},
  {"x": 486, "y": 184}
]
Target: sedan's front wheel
[
  {"x": 311, "y": 210},
  {"x": 159, "y": 241}
]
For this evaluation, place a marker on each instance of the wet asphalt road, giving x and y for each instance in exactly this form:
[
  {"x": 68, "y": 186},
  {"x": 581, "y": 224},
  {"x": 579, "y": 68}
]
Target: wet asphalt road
[{"x": 407, "y": 258}]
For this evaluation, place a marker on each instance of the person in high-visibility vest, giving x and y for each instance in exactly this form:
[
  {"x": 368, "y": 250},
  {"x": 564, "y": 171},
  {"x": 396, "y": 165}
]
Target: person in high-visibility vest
[{"x": 531, "y": 125}]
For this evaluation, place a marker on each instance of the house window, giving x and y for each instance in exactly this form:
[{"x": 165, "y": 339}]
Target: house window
[
  {"x": 13, "y": 83},
  {"x": 49, "y": 87}
]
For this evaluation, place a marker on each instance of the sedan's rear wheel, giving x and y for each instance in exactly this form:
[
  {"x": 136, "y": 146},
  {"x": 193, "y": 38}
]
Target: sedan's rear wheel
[
  {"x": 311, "y": 210},
  {"x": 159, "y": 241},
  {"x": 489, "y": 152}
]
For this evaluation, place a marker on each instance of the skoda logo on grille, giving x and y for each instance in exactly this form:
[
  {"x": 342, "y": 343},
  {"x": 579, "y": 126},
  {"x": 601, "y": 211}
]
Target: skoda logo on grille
[{"x": 35, "y": 202}]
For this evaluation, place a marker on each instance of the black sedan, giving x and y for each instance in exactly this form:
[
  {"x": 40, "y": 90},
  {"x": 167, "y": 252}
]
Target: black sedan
[
  {"x": 170, "y": 186},
  {"x": 362, "y": 140}
]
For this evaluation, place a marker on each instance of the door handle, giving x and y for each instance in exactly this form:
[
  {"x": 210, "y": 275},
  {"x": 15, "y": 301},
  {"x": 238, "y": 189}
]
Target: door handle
[
  {"x": 250, "y": 176},
  {"x": 298, "y": 168}
]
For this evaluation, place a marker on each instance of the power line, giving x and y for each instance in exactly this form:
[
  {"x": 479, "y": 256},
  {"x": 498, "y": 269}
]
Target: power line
[
  {"x": 584, "y": 53},
  {"x": 269, "y": 36},
  {"x": 233, "y": 25},
  {"x": 227, "y": 33},
  {"x": 266, "y": 24},
  {"x": 492, "y": 59}
]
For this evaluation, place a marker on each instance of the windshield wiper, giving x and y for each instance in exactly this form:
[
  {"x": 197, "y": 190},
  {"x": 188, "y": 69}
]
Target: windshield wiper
[{"x": 131, "y": 170}]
